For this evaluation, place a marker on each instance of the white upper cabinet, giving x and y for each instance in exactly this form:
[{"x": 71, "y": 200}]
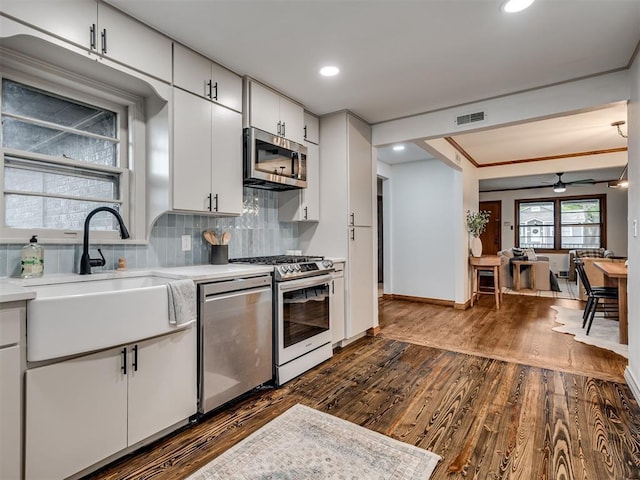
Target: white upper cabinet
[
  {"x": 125, "y": 40},
  {"x": 207, "y": 156},
  {"x": 99, "y": 29},
  {"x": 311, "y": 128},
  {"x": 74, "y": 20},
  {"x": 201, "y": 76},
  {"x": 360, "y": 173},
  {"x": 274, "y": 113}
]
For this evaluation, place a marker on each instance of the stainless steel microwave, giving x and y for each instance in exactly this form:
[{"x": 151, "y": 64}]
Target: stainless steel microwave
[{"x": 272, "y": 162}]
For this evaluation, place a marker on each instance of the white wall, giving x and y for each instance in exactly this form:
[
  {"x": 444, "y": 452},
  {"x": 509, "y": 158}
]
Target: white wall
[
  {"x": 423, "y": 237},
  {"x": 632, "y": 374},
  {"x": 616, "y": 216}
]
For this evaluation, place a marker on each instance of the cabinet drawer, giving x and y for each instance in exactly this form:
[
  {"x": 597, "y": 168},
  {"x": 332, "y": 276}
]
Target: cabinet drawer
[{"x": 10, "y": 326}]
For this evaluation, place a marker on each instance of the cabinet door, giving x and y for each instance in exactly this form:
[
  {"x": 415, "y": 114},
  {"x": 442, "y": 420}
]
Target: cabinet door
[
  {"x": 311, "y": 194},
  {"x": 337, "y": 310},
  {"x": 10, "y": 413},
  {"x": 265, "y": 109},
  {"x": 76, "y": 414},
  {"x": 360, "y": 173},
  {"x": 226, "y": 160},
  {"x": 71, "y": 19},
  {"x": 227, "y": 87},
  {"x": 311, "y": 128},
  {"x": 360, "y": 278},
  {"x": 130, "y": 42},
  {"x": 191, "y": 71},
  {"x": 191, "y": 152},
  {"x": 292, "y": 118},
  {"x": 162, "y": 383}
]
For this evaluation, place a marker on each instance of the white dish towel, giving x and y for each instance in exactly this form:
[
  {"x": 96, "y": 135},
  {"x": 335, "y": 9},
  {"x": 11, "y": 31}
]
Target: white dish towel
[{"x": 182, "y": 302}]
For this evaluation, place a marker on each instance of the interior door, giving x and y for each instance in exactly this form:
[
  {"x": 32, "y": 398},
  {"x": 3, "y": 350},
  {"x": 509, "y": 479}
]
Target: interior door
[{"x": 492, "y": 236}]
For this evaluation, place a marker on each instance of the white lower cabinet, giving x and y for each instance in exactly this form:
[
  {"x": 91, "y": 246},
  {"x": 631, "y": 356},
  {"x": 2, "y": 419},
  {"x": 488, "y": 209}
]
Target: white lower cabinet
[
  {"x": 81, "y": 411},
  {"x": 360, "y": 273},
  {"x": 10, "y": 413}
]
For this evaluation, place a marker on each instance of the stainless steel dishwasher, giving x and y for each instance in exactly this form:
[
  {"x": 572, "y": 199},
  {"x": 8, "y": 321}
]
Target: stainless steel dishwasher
[{"x": 235, "y": 341}]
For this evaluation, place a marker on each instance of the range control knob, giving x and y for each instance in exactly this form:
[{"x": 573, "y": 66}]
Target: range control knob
[{"x": 327, "y": 264}]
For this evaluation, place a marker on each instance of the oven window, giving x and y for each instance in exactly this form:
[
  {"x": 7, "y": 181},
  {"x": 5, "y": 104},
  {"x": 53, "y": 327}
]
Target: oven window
[{"x": 305, "y": 313}]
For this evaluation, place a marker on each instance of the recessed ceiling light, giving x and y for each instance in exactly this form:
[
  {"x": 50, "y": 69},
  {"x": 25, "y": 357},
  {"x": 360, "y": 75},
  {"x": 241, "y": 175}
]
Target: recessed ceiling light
[
  {"x": 513, "y": 6},
  {"x": 398, "y": 148},
  {"x": 329, "y": 71}
]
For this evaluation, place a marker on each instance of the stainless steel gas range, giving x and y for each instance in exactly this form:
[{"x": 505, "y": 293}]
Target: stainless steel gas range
[{"x": 301, "y": 312}]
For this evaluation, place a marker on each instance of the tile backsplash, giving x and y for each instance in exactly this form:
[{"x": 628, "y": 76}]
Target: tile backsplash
[{"x": 256, "y": 232}]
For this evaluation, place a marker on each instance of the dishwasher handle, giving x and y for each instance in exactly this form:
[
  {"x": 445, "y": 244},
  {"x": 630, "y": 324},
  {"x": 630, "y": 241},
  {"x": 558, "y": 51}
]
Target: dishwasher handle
[
  {"x": 237, "y": 293},
  {"x": 237, "y": 284}
]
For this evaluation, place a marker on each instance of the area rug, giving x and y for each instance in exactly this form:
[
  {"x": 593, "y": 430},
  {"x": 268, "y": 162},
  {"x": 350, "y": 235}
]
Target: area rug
[
  {"x": 604, "y": 333},
  {"x": 304, "y": 443},
  {"x": 568, "y": 291}
]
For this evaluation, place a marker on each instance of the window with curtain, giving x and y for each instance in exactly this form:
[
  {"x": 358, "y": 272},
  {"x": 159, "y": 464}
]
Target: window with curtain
[{"x": 561, "y": 223}]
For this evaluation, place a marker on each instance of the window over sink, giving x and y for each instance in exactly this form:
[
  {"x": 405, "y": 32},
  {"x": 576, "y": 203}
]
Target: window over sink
[{"x": 64, "y": 153}]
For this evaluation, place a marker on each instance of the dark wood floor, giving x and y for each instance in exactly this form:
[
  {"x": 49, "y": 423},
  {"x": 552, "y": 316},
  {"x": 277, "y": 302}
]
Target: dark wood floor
[{"x": 487, "y": 417}]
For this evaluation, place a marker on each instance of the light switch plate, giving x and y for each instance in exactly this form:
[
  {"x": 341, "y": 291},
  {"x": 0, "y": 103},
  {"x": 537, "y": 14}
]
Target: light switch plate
[{"x": 186, "y": 243}]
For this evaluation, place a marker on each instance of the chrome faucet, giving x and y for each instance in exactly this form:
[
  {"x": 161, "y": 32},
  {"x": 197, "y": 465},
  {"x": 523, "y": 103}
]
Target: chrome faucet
[{"x": 86, "y": 262}]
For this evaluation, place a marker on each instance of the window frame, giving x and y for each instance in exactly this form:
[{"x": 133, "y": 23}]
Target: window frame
[
  {"x": 80, "y": 89},
  {"x": 557, "y": 201}
]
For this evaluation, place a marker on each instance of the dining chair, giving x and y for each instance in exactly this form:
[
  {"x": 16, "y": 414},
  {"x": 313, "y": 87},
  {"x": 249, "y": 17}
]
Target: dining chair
[{"x": 594, "y": 295}]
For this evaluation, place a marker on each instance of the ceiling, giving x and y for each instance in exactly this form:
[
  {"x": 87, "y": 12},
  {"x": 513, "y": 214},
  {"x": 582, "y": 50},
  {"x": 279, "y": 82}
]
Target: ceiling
[
  {"x": 562, "y": 137},
  {"x": 404, "y": 57},
  {"x": 401, "y": 57}
]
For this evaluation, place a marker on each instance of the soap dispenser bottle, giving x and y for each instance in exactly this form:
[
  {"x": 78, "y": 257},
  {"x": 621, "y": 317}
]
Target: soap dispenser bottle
[{"x": 32, "y": 259}]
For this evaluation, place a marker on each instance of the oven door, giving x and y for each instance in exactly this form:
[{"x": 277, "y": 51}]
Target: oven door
[{"x": 302, "y": 317}]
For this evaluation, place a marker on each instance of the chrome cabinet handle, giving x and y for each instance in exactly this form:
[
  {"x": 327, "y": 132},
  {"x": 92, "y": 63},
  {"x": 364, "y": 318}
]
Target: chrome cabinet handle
[
  {"x": 216, "y": 207},
  {"x": 279, "y": 128},
  {"x": 305, "y": 132},
  {"x": 210, "y": 202},
  {"x": 283, "y": 129},
  {"x": 353, "y": 234},
  {"x": 215, "y": 88},
  {"x": 305, "y": 213},
  {"x": 208, "y": 92},
  {"x": 353, "y": 218}
]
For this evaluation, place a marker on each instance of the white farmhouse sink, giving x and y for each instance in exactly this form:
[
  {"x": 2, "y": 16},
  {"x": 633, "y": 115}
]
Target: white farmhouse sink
[{"x": 83, "y": 316}]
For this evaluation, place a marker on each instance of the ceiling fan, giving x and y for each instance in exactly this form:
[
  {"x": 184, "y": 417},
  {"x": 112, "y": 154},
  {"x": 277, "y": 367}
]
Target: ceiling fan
[{"x": 561, "y": 186}]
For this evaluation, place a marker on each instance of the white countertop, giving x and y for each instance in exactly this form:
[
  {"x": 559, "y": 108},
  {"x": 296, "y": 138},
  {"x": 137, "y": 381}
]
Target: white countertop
[{"x": 15, "y": 289}]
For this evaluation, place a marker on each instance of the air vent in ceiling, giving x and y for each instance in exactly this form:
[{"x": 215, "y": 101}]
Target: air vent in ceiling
[{"x": 471, "y": 118}]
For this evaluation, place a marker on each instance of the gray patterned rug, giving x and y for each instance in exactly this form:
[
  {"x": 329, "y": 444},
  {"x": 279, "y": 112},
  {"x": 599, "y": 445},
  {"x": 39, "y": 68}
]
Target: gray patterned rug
[{"x": 304, "y": 443}]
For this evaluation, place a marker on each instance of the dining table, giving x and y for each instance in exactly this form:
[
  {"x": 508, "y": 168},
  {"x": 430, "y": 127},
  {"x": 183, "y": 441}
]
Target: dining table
[{"x": 616, "y": 275}]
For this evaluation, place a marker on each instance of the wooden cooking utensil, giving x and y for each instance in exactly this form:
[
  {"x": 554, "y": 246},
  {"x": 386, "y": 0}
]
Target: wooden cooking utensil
[
  {"x": 226, "y": 236},
  {"x": 210, "y": 237}
]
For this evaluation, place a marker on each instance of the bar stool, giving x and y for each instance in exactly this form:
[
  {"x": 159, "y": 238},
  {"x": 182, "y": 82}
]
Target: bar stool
[{"x": 485, "y": 263}]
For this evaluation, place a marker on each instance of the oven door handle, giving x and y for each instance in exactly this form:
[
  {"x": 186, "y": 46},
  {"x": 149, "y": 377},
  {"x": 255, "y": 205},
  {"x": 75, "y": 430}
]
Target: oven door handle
[{"x": 290, "y": 285}]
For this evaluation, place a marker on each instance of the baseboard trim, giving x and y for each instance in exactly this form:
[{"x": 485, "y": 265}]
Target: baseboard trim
[
  {"x": 462, "y": 306},
  {"x": 633, "y": 383},
  {"x": 373, "y": 331},
  {"x": 434, "y": 301}
]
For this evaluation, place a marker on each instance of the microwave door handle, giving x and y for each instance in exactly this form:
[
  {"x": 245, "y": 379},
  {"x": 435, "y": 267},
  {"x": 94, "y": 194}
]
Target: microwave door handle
[{"x": 294, "y": 156}]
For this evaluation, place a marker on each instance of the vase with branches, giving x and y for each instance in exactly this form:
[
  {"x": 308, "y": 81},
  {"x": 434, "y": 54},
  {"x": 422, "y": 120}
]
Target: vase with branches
[{"x": 476, "y": 225}]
